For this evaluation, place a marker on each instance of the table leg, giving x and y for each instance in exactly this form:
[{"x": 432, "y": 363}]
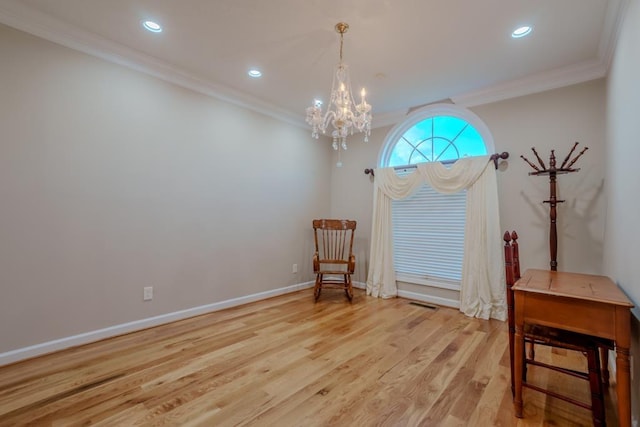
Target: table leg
[
  {"x": 623, "y": 386},
  {"x": 518, "y": 368}
]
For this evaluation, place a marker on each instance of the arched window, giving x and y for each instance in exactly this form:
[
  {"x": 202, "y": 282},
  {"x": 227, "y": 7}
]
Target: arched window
[
  {"x": 428, "y": 227},
  {"x": 436, "y": 133}
]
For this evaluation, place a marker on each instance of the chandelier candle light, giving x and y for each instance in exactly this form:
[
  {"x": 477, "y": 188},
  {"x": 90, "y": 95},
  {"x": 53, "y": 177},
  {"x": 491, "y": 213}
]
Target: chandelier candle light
[{"x": 343, "y": 113}]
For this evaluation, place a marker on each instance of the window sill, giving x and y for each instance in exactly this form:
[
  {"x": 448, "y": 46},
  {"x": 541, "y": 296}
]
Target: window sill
[{"x": 434, "y": 283}]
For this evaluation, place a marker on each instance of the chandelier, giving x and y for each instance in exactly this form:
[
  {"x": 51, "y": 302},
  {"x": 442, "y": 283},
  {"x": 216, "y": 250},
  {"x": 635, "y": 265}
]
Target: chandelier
[{"x": 342, "y": 112}]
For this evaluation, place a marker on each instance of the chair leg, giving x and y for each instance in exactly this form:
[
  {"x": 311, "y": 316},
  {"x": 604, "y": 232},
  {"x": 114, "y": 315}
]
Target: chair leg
[
  {"x": 511, "y": 348},
  {"x": 604, "y": 358},
  {"x": 318, "y": 287},
  {"x": 524, "y": 362},
  {"x": 595, "y": 384},
  {"x": 532, "y": 352},
  {"x": 348, "y": 289},
  {"x": 532, "y": 356}
]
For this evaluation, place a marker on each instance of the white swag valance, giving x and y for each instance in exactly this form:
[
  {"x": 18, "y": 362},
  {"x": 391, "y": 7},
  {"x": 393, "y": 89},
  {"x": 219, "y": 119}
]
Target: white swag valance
[{"x": 482, "y": 292}]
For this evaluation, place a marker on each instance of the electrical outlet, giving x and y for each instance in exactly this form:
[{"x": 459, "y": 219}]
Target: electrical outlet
[
  {"x": 147, "y": 293},
  {"x": 294, "y": 269}
]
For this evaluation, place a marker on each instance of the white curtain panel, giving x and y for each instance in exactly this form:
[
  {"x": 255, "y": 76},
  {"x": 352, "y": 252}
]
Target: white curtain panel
[{"x": 482, "y": 291}]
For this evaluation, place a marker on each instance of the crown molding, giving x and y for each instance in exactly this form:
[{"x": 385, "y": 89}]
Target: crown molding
[
  {"x": 553, "y": 79},
  {"x": 388, "y": 119},
  {"x": 565, "y": 76},
  {"x": 616, "y": 11},
  {"x": 22, "y": 17},
  {"x": 535, "y": 83},
  {"x": 29, "y": 20}
]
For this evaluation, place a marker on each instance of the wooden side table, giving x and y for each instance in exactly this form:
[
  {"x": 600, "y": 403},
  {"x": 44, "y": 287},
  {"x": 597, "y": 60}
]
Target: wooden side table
[{"x": 583, "y": 303}]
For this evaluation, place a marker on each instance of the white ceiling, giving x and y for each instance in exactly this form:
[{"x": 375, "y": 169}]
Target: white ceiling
[{"x": 407, "y": 53}]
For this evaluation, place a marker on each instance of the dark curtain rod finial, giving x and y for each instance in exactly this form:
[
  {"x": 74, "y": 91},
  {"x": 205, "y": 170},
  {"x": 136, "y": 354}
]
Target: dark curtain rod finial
[
  {"x": 495, "y": 157},
  {"x": 369, "y": 171}
]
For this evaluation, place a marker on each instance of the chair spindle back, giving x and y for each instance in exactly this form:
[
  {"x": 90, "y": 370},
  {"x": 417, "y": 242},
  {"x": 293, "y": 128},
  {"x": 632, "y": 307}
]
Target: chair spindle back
[{"x": 334, "y": 239}]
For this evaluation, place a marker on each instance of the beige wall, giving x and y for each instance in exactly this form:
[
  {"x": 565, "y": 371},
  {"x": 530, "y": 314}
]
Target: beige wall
[
  {"x": 623, "y": 178},
  {"x": 352, "y": 191},
  {"x": 111, "y": 181},
  {"x": 553, "y": 120}
]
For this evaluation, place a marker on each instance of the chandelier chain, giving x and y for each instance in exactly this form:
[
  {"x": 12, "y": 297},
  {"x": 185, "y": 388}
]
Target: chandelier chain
[{"x": 341, "y": 28}]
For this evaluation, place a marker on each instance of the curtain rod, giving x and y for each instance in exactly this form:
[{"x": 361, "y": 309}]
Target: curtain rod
[{"x": 495, "y": 157}]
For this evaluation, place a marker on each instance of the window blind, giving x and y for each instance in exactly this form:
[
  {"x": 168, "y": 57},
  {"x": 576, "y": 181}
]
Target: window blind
[{"x": 428, "y": 234}]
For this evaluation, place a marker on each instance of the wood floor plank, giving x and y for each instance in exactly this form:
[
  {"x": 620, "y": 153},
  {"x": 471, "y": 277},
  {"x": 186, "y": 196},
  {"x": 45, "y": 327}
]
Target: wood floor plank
[{"x": 288, "y": 361}]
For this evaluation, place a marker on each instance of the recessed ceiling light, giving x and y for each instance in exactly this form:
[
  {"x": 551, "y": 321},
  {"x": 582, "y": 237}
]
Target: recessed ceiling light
[
  {"x": 255, "y": 73},
  {"x": 154, "y": 27},
  {"x": 521, "y": 31}
]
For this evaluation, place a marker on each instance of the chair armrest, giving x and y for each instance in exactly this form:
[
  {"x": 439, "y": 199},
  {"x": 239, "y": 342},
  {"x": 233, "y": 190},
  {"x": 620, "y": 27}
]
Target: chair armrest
[
  {"x": 352, "y": 264},
  {"x": 316, "y": 262}
]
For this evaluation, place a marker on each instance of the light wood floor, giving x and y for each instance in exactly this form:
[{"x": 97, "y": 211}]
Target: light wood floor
[{"x": 289, "y": 362}]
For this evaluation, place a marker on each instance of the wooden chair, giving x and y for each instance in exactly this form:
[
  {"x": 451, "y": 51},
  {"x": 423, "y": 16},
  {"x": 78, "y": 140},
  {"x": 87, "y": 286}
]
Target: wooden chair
[
  {"x": 333, "y": 260},
  {"x": 552, "y": 337}
]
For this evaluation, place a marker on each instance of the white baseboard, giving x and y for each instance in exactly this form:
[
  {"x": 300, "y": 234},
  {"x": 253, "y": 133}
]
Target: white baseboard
[
  {"x": 124, "y": 328},
  {"x": 112, "y": 331},
  {"x": 446, "y": 302}
]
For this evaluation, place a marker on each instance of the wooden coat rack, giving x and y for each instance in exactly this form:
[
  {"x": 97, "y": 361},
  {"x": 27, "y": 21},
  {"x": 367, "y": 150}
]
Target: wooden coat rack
[{"x": 552, "y": 172}]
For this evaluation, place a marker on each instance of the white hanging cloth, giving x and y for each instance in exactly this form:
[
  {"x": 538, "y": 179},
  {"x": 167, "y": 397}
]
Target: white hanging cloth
[{"x": 482, "y": 291}]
